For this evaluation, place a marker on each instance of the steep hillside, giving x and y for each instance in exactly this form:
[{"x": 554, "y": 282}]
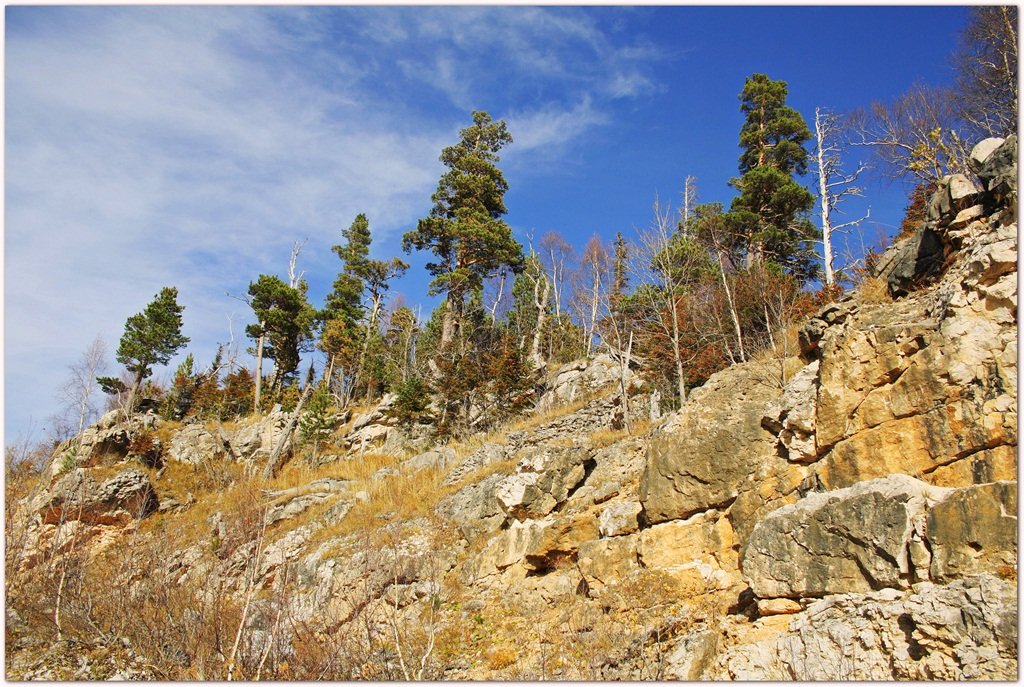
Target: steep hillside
[{"x": 847, "y": 512}]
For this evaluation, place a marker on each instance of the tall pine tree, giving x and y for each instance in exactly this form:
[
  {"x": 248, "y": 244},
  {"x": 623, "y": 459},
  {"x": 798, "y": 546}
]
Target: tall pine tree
[
  {"x": 464, "y": 229},
  {"x": 769, "y": 216},
  {"x": 150, "y": 338}
]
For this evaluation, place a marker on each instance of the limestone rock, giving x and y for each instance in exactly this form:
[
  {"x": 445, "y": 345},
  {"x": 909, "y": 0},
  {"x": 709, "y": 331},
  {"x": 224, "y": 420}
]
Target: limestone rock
[
  {"x": 792, "y": 416},
  {"x": 778, "y": 607},
  {"x": 437, "y": 459},
  {"x": 974, "y": 530},
  {"x": 543, "y": 480},
  {"x": 506, "y": 548},
  {"x": 619, "y": 518},
  {"x": 377, "y": 415},
  {"x": 475, "y": 509},
  {"x": 966, "y": 630},
  {"x": 704, "y": 544},
  {"x": 982, "y": 150},
  {"x": 998, "y": 170},
  {"x": 913, "y": 261},
  {"x": 194, "y": 444},
  {"x": 117, "y": 500},
  {"x": 850, "y": 540},
  {"x": 582, "y": 377},
  {"x": 608, "y": 561},
  {"x": 709, "y": 452},
  {"x": 559, "y": 542},
  {"x": 488, "y": 454},
  {"x": 692, "y": 656}
]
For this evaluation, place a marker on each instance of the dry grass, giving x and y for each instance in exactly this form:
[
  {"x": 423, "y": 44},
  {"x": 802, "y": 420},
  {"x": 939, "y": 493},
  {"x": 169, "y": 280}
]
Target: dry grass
[
  {"x": 874, "y": 290},
  {"x": 166, "y": 431},
  {"x": 603, "y": 438}
]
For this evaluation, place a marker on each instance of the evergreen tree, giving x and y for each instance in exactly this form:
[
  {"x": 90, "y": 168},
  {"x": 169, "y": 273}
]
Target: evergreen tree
[
  {"x": 287, "y": 322},
  {"x": 769, "y": 216},
  {"x": 349, "y": 326},
  {"x": 345, "y": 302},
  {"x": 151, "y": 338},
  {"x": 464, "y": 229},
  {"x": 318, "y": 421}
]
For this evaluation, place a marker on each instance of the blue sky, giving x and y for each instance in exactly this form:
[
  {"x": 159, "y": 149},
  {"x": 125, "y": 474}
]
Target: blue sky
[{"x": 191, "y": 146}]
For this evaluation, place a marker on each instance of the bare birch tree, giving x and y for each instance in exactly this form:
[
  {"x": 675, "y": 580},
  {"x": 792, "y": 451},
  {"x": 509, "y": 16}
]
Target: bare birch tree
[
  {"x": 833, "y": 184},
  {"x": 555, "y": 251},
  {"x": 78, "y": 392},
  {"x": 666, "y": 262},
  {"x": 591, "y": 281},
  {"x": 915, "y": 135},
  {"x": 710, "y": 228}
]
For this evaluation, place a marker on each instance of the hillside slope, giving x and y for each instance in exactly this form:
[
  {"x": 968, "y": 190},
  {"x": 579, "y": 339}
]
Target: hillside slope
[{"x": 847, "y": 512}]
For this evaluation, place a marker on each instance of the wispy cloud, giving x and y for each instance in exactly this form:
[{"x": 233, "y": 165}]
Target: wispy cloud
[{"x": 190, "y": 146}]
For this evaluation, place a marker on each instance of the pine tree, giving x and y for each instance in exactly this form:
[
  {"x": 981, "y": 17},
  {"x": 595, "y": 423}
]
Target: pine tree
[
  {"x": 349, "y": 326},
  {"x": 769, "y": 216},
  {"x": 285, "y": 320},
  {"x": 151, "y": 338},
  {"x": 464, "y": 229}
]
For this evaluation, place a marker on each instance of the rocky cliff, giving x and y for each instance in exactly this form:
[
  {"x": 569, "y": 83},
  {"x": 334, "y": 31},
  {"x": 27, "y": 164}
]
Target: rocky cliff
[{"x": 845, "y": 513}]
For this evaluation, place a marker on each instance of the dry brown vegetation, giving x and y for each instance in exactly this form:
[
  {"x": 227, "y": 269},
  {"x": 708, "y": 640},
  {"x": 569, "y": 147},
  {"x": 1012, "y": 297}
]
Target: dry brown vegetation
[{"x": 177, "y": 596}]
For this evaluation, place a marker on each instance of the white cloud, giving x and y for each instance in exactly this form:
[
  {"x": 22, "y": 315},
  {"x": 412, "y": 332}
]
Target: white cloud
[
  {"x": 544, "y": 132},
  {"x": 190, "y": 146}
]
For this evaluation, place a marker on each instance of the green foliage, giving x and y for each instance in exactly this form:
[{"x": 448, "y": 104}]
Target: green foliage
[
  {"x": 318, "y": 420},
  {"x": 349, "y": 325},
  {"x": 509, "y": 383},
  {"x": 464, "y": 229},
  {"x": 769, "y": 217},
  {"x": 178, "y": 400},
  {"x": 153, "y": 336},
  {"x": 284, "y": 317},
  {"x": 412, "y": 402},
  {"x": 111, "y": 385}
]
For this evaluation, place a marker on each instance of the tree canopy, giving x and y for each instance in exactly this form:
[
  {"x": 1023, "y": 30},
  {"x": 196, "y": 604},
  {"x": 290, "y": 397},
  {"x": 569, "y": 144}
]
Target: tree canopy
[
  {"x": 153, "y": 336},
  {"x": 464, "y": 229},
  {"x": 284, "y": 317},
  {"x": 770, "y": 214}
]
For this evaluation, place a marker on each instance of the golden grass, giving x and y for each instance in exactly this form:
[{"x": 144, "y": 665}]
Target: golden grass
[
  {"x": 874, "y": 290},
  {"x": 166, "y": 431}
]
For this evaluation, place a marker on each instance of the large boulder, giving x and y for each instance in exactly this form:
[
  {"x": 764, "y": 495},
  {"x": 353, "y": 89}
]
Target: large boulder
[
  {"x": 543, "y": 480},
  {"x": 434, "y": 459},
  {"x": 995, "y": 162},
  {"x": 117, "y": 500},
  {"x": 713, "y": 449},
  {"x": 583, "y": 377},
  {"x": 194, "y": 444},
  {"x": 966, "y": 630},
  {"x": 910, "y": 263},
  {"x": 851, "y": 540}
]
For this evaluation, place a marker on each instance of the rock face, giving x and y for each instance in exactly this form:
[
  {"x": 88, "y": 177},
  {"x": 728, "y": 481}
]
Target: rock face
[
  {"x": 542, "y": 481},
  {"x": 856, "y": 539},
  {"x": 966, "y": 630},
  {"x": 973, "y": 530},
  {"x": 195, "y": 444},
  {"x": 125, "y": 496},
  {"x": 679, "y": 480},
  {"x": 581, "y": 378}
]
